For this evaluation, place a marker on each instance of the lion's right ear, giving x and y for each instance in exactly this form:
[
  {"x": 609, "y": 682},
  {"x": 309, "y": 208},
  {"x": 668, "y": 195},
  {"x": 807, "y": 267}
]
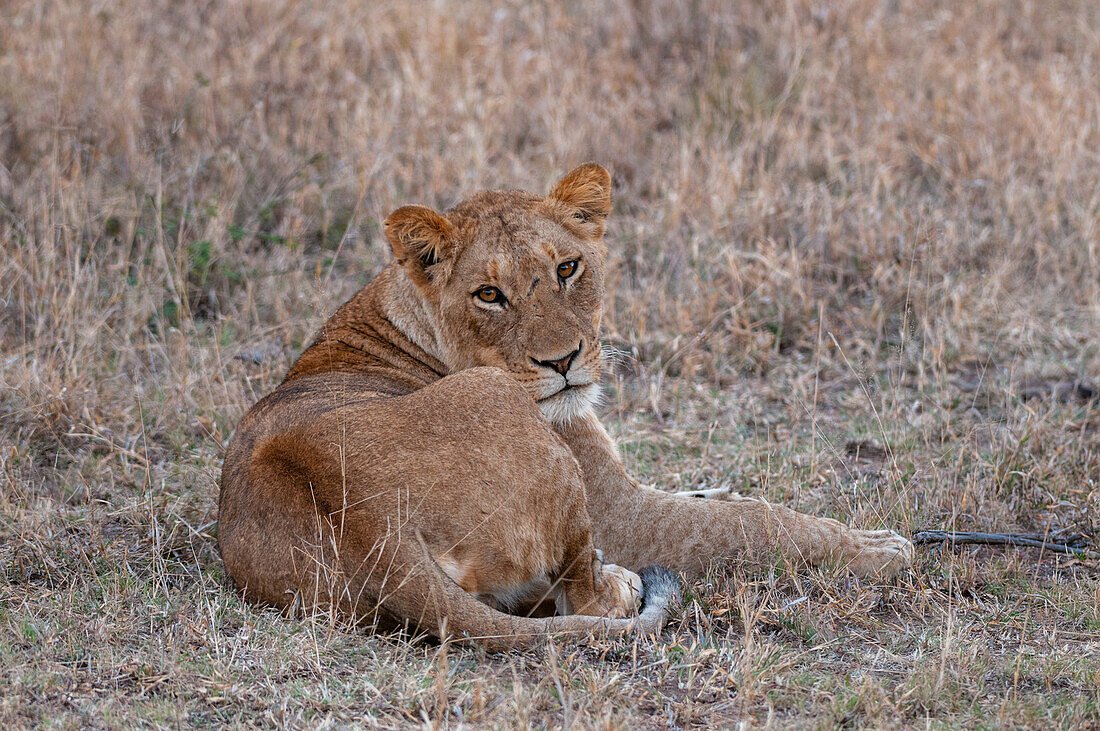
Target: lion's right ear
[{"x": 420, "y": 238}]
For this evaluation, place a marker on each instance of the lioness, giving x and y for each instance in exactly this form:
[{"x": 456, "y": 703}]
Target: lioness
[{"x": 437, "y": 445}]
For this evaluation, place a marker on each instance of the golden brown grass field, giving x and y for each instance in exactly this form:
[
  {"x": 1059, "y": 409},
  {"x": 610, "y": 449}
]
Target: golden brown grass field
[{"x": 855, "y": 268}]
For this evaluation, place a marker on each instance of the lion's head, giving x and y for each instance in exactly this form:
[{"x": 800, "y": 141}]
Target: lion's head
[{"x": 516, "y": 281}]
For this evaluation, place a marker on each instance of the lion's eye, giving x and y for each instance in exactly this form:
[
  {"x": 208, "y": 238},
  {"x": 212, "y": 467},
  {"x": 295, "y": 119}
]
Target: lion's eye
[
  {"x": 567, "y": 269},
  {"x": 492, "y": 295}
]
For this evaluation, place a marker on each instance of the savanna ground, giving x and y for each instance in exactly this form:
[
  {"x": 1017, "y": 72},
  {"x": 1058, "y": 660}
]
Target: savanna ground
[{"x": 848, "y": 240}]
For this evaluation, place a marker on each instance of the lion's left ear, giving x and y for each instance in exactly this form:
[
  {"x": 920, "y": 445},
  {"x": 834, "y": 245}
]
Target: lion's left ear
[{"x": 586, "y": 189}]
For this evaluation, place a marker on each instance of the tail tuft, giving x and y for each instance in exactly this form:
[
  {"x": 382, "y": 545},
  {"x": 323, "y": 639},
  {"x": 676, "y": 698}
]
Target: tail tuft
[{"x": 660, "y": 589}]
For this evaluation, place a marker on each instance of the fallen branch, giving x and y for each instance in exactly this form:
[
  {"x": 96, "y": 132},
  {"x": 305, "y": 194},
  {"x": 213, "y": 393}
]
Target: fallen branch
[{"x": 1073, "y": 543}]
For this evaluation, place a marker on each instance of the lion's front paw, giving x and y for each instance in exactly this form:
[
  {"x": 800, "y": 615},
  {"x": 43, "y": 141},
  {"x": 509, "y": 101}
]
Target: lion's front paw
[{"x": 877, "y": 552}]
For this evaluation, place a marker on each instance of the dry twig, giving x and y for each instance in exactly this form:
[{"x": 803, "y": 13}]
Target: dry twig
[{"x": 1072, "y": 543}]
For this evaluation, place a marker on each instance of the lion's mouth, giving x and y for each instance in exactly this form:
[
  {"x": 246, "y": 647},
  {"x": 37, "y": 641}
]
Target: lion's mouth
[
  {"x": 570, "y": 401},
  {"x": 567, "y": 388}
]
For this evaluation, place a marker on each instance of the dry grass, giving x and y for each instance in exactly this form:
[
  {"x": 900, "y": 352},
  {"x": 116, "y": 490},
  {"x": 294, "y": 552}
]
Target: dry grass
[{"x": 839, "y": 228}]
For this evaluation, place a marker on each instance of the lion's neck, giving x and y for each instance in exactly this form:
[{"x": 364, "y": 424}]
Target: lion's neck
[
  {"x": 411, "y": 315},
  {"x": 385, "y": 331}
]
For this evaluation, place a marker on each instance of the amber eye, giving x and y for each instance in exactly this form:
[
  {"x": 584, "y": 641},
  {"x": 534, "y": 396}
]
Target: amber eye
[
  {"x": 492, "y": 295},
  {"x": 567, "y": 269}
]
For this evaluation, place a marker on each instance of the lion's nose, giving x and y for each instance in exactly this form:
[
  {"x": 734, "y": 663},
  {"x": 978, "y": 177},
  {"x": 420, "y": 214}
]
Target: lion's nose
[{"x": 561, "y": 365}]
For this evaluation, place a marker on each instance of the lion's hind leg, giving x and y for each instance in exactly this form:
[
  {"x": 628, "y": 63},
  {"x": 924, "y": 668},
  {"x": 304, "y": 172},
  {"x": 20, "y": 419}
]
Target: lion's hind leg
[{"x": 421, "y": 591}]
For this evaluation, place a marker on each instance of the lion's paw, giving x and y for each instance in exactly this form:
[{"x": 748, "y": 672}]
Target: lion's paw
[
  {"x": 877, "y": 552},
  {"x": 624, "y": 589}
]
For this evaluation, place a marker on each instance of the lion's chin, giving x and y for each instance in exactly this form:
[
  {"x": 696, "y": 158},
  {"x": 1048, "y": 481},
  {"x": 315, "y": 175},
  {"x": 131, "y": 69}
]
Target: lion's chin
[{"x": 570, "y": 402}]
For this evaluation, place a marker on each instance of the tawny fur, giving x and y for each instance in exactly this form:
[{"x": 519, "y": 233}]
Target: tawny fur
[{"x": 434, "y": 458}]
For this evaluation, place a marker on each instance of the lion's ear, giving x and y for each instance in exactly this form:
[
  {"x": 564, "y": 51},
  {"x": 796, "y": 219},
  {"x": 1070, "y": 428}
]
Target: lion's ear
[
  {"x": 419, "y": 237},
  {"x": 586, "y": 189}
]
